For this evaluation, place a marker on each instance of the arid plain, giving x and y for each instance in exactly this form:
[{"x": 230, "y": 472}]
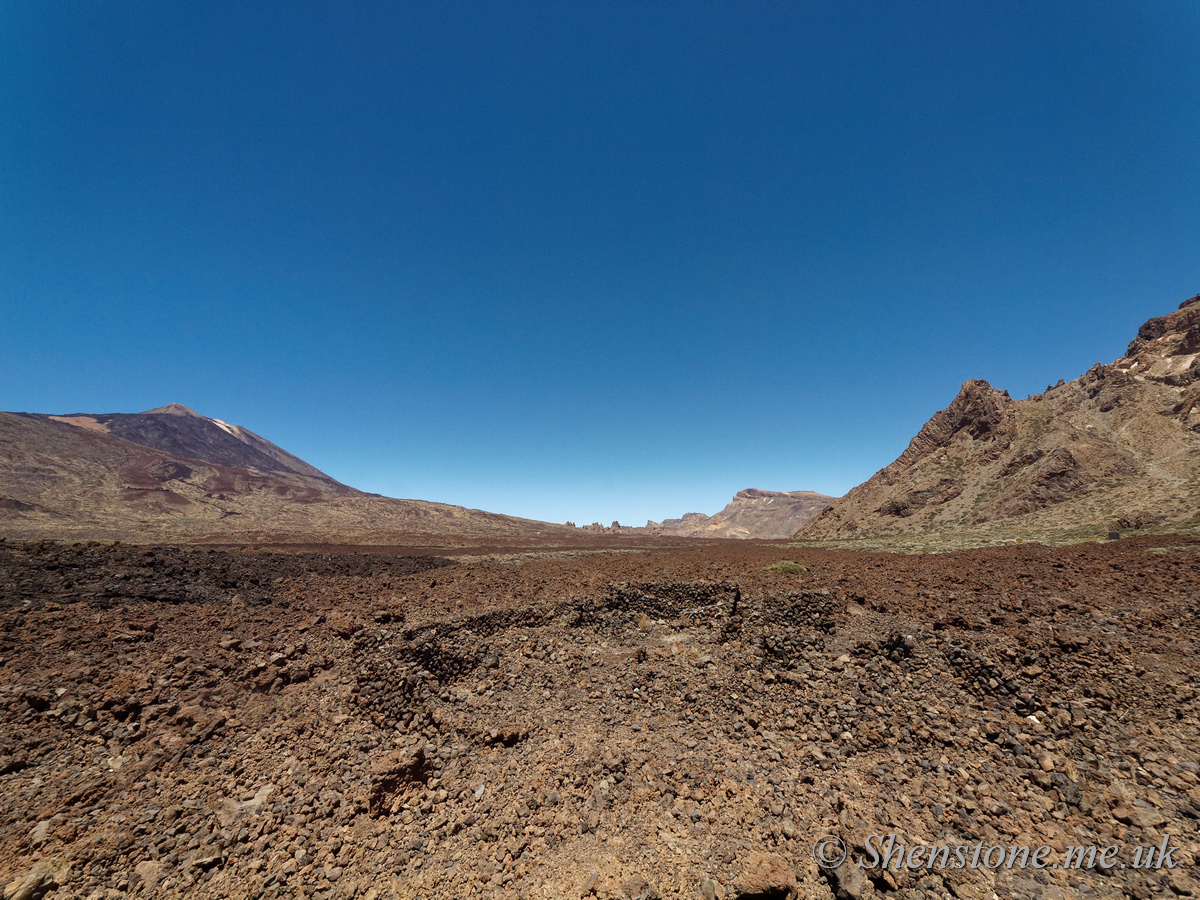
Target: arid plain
[{"x": 605, "y": 719}]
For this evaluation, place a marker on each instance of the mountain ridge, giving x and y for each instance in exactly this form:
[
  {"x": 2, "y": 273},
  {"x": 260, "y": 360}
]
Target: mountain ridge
[{"x": 1115, "y": 448}]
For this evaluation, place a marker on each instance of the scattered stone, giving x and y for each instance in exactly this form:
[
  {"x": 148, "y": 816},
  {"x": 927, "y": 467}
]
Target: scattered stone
[
  {"x": 1138, "y": 815},
  {"x": 849, "y": 881},
  {"x": 46, "y": 874},
  {"x": 766, "y": 875},
  {"x": 638, "y": 888}
]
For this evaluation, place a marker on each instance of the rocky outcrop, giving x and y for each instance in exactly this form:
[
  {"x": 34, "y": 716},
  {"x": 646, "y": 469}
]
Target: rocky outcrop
[
  {"x": 945, "y": 489},
  {"x": 1104, "y": 447},
  {"x": 1167, "y": 348},
  {"x": 979, "y": 413}
]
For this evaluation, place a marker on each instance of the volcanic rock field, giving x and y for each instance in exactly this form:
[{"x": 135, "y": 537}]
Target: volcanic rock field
[{"x": 615, "y": 719}]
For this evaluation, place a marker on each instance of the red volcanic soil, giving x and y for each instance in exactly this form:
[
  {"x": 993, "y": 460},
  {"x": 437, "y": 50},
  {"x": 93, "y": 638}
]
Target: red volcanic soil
[{"x": 603, "y": 719}]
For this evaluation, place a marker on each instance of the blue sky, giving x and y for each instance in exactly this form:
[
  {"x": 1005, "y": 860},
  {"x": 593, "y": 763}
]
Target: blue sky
[{"x": 586, "y": 261}]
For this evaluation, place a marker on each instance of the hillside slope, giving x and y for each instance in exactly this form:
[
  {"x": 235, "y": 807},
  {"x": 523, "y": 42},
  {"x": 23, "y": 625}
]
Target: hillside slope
[
  {"x": 1117, "y": 448},
  {"x": 172, "y": 474}
]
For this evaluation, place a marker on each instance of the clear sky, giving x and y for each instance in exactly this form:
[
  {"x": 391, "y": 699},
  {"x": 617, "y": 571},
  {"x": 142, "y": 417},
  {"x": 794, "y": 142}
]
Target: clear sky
[{"x": 586, "y": 261}]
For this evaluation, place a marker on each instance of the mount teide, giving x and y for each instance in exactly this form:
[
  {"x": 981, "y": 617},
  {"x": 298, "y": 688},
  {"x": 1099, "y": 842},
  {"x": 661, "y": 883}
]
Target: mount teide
[
  {"x": 1117, "y": 448},
  {"x": 173, "y": 474}
]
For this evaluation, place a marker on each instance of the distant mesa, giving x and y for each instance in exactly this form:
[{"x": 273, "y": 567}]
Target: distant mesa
[
  {"x": 1118, "y": 445},
  {"x": 752, "y": 513}
]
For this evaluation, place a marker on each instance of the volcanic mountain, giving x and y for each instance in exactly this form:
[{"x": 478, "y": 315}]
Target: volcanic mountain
[
  {"x": 1117, "y": 448},
  {"x": 173, "y": 474}
]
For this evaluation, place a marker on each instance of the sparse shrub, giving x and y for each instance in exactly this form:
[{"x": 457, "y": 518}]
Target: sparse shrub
[
  {"x": 644, "y": 622},
  {"x": 787, "y": 567}
]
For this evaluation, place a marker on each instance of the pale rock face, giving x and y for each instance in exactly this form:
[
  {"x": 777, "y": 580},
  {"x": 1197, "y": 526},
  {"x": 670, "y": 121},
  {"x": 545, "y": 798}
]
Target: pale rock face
[{"x": 752, "y": 513}]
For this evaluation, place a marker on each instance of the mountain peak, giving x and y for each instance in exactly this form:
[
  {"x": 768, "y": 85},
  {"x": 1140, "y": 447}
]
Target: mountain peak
[{"x": 172, "y": 409}]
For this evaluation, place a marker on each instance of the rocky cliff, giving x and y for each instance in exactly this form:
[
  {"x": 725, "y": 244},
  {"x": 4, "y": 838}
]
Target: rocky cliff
[{"x": 751, "y": 513}]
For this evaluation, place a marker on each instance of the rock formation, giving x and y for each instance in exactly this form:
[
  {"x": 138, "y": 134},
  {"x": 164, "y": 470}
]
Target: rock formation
[{"x": 751, "y": 514}]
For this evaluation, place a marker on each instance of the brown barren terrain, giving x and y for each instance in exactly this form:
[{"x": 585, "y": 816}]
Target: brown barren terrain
[{"x": 611, "y": 718}]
